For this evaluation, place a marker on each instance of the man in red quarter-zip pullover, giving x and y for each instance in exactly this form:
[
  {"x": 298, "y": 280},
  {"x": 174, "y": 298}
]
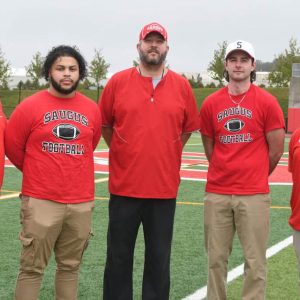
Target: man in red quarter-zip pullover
[{"x": 148, "y": 114}]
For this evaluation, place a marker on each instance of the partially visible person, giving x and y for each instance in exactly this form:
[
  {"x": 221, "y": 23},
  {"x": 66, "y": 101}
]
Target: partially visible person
[
  {"x": 50, "y": 138},
  {"x": 148, "y": 115},
  {"x": 294, "y": 168},
  {"x": 242, "y": 128},
  {"x": 2, "y": 150}
]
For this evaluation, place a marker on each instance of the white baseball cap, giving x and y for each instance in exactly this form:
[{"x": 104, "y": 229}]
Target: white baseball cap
[{"x": 240, "y": 45}]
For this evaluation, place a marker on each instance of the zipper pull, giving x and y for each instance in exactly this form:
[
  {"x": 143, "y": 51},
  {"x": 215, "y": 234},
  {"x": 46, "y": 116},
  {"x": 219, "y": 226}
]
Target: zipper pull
[{"x": 152, "y": 100}]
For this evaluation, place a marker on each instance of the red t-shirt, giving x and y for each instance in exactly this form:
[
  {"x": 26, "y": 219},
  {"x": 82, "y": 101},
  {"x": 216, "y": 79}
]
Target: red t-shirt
[
  {"x": 51, "y": 140},
  {"x": 240, "y": 159},
  {"x": 145, "y": 150},
  {"x": 2, "y": 130},
  {"x": 294, "y": 168}
]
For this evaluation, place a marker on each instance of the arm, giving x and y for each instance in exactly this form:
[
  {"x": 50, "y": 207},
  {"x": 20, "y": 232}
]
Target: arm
[
  {"x": 275, "y": 140},
  {"x": 291, "y": 151},
  {"x": 208, "y": 144},
  {"x": 16, "y": 135},
  {"x": 191, "y": 119},
  {"x": 97, "y": 129},
  {"x": 106, "y": 108},
  {"x": 184, "y": 138},
  {"x": 2, "y": 150},
  {"x": 107, "y": 134}
]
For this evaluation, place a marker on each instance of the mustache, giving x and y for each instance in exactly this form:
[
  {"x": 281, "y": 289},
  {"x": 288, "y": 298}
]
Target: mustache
[
  {"x": 68, "y": 79},
  {"x": 153, "y": 49}
]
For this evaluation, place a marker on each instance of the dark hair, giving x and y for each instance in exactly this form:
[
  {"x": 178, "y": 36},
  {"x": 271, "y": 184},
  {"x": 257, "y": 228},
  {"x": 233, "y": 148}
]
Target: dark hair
[
  {"x": 252, "y": 76},
  {"x": 60, "y": 51}
]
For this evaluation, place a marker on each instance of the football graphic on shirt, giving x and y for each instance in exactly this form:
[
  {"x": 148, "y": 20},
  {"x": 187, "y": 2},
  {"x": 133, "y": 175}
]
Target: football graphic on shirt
[
  {"x": 66, "y": 131},
  {"x": 234, "y": 125}
]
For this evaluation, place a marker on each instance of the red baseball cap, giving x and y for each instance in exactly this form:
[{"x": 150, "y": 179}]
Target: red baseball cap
[{"x": 153, "y": 27}]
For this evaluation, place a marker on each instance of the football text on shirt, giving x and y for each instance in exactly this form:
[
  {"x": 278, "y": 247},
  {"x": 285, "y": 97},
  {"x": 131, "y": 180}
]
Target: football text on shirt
[{"x": 235, "y": 125}]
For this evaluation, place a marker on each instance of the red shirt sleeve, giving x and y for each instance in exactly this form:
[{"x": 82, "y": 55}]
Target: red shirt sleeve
[
  {"x": 106, "y": 104},
  {"x": 16, "y": 135},
  {"x": 292, "y": 147},
  {"x": 206, "y": 122},
  {"x": 192, "y": 122},
  {"x": 274, "y": 116},
  {"x": 2, "y": 150},
  {"x": 97, "y": 130}
]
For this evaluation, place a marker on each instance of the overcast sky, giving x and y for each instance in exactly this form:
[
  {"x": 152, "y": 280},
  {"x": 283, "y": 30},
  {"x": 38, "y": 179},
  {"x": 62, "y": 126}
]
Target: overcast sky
[{"x": 195, "y": 28}]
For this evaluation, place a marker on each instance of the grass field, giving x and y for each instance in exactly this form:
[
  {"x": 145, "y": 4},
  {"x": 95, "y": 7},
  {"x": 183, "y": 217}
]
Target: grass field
[
  {"x": 10, "y": 99},
  {"x": 188, "y": 262}
]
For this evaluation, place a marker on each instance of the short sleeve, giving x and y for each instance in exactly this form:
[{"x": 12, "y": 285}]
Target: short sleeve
[
  {"x": 106, "y": 102},
  {"x": 192, "y": 122},
  {"x": 274, "y": 117},
  {"x": 292, "y": 144},
  {"x": 206, "y": 122}
]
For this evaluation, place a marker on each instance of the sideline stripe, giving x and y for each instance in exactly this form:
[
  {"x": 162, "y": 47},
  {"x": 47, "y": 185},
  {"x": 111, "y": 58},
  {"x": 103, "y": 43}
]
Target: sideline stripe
[
  {"x": 101, "y": 198},
  {"x": 238, "y": 271},
  {"x": 8, "y": 191},
  {"x": 14, "y": 195},
  {"x": 101, "y": 180},
  {"x": 281, "y": 207},
  {"x": 190, "y": 203}
]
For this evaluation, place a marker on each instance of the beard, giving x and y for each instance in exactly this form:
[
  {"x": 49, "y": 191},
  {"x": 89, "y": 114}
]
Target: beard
[
  {"x": 152, "y": 61},
  {"x": 60, "y": 89}
]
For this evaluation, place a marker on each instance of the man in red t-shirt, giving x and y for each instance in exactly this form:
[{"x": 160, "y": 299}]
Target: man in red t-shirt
[
  {"x": 294, "y": 168},
  {"x": 148, "y": 114},
  {"x": 50, "y": 138},
  {"x": 242, "y": 128}
]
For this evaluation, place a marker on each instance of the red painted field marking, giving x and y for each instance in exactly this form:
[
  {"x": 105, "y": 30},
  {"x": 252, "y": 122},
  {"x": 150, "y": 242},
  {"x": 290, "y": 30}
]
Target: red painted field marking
[{"x": 190, "y": 159}]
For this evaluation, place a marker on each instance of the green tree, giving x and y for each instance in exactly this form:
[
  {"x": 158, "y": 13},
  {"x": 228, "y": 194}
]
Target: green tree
[
  {"x": 216, "y": 66},
  {"x": 196, "y": 82},
  {"x": 34, "y": 69},
  {"x": 135, "y": 62},
  {"x": 98, "y": 69},
  {"x": 263, "y": 66},
  {"x": 5, "y": 71},
  {"x": 282, "y": 71},
  {"x": 85, "y": 84}
]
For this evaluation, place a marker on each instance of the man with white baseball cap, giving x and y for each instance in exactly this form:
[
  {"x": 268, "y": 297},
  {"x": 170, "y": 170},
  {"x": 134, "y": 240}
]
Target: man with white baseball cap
[{"x": 242, "y": 128}]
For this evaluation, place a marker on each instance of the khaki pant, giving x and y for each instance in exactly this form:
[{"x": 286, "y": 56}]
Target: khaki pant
[
  {"x": 249, "y": 217},
  {"x": 47, "y": 226}
]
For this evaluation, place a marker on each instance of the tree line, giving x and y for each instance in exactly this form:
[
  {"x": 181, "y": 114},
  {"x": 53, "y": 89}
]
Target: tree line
[
  {"x": 280, "y": 69},
  {"x": 97, "y": 71}
]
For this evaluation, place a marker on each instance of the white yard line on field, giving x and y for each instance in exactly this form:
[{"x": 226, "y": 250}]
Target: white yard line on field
[
  {"x": 14, "y": 195},
  {"x": 101, "y": 180},
  {"x": 238, "y": 271}
]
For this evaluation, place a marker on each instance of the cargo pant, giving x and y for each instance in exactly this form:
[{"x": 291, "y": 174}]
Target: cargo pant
[
  {"x": 248, "y": 215},
  {"x": 46, "y": 226}
]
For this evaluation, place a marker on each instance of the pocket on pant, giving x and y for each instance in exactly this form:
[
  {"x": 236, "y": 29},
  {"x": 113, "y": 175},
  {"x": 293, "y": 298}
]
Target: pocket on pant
[
  {"x": 87, "y": 242},
  {"x": 28, "y": 251},
  {"x": 25, "y": 210},
  {"x": 267, "y": 198}
]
